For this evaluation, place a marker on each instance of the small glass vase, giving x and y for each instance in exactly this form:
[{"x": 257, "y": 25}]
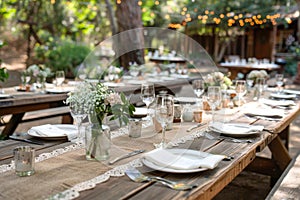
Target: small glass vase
[{"x": 97, "y": 140}]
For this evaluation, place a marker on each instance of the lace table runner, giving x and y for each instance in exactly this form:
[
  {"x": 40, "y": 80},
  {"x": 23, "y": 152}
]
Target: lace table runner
[{"x": 65, "y": 171}]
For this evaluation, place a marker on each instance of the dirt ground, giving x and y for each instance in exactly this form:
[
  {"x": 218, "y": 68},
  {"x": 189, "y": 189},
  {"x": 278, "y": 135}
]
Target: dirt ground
[{"x": 245, "y": 186}]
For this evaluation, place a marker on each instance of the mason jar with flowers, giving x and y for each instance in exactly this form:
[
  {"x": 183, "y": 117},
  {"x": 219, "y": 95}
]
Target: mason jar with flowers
[
  {"x": 36, "y": 74},
  {"x": 100, "y": 103},
  {"x": 255, "y": 74},
  {"x": 217, "y": 79}
]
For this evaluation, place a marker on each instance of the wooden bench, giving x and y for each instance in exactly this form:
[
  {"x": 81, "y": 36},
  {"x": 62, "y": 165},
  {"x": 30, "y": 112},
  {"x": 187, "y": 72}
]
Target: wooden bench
[
  {"x": 288, "y": 185},
  {"x": 44, "y": 114}
]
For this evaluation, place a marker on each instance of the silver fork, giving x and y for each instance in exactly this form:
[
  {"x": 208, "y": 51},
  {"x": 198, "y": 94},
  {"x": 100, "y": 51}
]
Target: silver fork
[{"x": 138, "y": 177}]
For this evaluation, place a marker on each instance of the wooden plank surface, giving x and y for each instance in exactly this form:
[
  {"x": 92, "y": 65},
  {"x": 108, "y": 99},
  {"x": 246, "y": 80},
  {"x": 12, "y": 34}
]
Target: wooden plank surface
[{"x": 209, "y": 182}]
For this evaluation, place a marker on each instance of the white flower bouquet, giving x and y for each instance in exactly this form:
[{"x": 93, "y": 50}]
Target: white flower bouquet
[
  {"x": 217, "y": 79},
  {"x": 254, "y": 74}
]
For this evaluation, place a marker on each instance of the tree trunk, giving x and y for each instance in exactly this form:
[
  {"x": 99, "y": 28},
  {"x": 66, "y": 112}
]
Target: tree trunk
[
  {"x": 298, "y": 31},
  {"x": 129, "y": 16},
  {"x": 110, "y": 14}
]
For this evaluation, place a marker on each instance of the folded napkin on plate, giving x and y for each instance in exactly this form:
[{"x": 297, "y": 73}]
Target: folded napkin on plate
[
  {"x": 271, "y": 102},
  {"x": 235, "y": 128},
  {"x": 270, "y": 113},
  {"x": 48, "y": 130},
  {"x": 165, "y": 158}
]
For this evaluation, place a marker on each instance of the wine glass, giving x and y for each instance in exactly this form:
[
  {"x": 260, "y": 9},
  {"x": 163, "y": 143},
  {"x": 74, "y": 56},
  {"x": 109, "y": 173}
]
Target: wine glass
[
  {"x": 78, "y": 114},
  {"x": 198, "y": 87},
  {"x": 260, "y": 85},
  {"x": 164, "y": 113},
  {"x": 240, "y": 89},
  {"x": 214, "y": 98},
  {"x": 59, "y": 77},
  {"x": 279, "y": 82},
  {"x": 250, "y": 83},
  {"x": 148, "y": 96}
]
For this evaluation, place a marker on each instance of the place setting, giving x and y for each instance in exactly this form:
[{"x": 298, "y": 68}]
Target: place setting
[
  {"x": 180, "y": 160},
  {"x": 54, "y": 132}
]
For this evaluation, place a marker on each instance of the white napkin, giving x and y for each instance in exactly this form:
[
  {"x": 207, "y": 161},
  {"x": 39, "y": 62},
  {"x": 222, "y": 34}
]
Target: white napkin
[
  {"x": 271, "y": 102},
  {"x": 235, "y": 128},
  {"x": 265, "y": 112},
  {"x": 165, "y": 158},
  {"x": 48, "y": 130}
]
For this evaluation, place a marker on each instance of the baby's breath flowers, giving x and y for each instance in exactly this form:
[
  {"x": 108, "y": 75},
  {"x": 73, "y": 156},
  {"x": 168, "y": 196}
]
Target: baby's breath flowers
[{"x": 98, "y": 99}]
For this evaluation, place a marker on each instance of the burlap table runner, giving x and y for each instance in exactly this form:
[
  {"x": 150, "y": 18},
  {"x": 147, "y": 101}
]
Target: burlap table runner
[{"x": 59, "y": 173}]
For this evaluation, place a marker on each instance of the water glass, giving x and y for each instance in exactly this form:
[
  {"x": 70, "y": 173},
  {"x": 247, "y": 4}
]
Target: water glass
[
  {"x": 164, "y": 113},
  {"x": 214, "y": 98},
  {"x": 24, "y": 157},
  {"x": 148, "y": 96},
  {"x": 198, "y": 87},
  {"x": 260, "y": 86},
  {"x": 78, "y": 114},
  {"x": 135, "y": 128},
  {"x": 279, "y": 82},
  {"x": 59, "y": 77},
  {"x": 241, "y": 90}
]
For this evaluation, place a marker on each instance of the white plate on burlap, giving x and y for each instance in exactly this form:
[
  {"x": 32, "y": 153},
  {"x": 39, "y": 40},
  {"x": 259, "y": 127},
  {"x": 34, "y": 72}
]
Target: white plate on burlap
[
  {"x": 191, "y": 154},
  {"x": 235, "y": 129},
  {"x": 65, "y": 131}
]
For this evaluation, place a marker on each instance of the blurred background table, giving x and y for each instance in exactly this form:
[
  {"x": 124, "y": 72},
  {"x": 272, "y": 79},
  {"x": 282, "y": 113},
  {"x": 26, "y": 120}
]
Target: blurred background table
[{"x": 244, "y": 68}]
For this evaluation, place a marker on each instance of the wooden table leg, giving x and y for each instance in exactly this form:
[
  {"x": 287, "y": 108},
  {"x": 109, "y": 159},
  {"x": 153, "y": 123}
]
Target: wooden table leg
[
  {"x": 279, "y": 153},
  {"x": 285, "y": 135},
  {"x": 12, "y": 125}
]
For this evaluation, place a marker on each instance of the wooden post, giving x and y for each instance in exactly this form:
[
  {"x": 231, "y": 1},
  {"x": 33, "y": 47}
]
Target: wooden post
[{"x": 297, "y": 78}]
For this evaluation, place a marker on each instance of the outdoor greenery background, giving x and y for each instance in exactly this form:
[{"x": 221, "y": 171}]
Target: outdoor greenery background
[{"x": 60, "y": 33}]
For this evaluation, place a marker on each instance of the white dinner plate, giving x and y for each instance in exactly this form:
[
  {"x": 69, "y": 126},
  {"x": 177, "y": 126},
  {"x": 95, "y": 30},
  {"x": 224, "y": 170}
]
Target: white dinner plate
[
  {"x": 283, "y": 96},
  {"x": 112, "y": 84},
  {"x": 140, "y": 112},
  {"x": 67, "y": 127},
  {"x": 58, "y": 90},
  {"x": 191, "y": 154},
  {"x": 186, "y": 99},
  {"x": 297, "y": 92},
  {"x": 235, "y": 129},
  {"x": 4, "y": 96}
]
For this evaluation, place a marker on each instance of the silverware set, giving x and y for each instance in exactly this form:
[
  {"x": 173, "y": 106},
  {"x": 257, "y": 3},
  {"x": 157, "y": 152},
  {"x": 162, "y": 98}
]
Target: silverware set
[{"x": 138, "y": 177}]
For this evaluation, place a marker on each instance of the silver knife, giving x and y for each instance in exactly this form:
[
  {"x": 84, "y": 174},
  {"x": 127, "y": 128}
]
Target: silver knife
[
  {"x": 126, "y": 156},
  {"x": 195, "y": 126},
  {"x": 25, "y": 140}
]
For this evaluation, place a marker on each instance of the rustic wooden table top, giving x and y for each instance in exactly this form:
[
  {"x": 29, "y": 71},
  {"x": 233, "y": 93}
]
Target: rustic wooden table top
[{"x": 210, "y": 182}]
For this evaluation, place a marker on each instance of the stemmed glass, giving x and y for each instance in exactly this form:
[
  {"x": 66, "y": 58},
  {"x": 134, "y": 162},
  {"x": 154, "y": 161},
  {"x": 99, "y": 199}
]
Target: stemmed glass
[
  {"x": 240, "y": 89},
  {"x": 260, "y": 85},
  {"x": 198, "y": 87},
  {"x": 164, "y": 113},
  {"x": 250, "y": 83},
  {"x": 78, "y": 114},
  {"x": 279, "y": 82},
  {"x": 148, "y": 96},
  {"x": 59, "y": 77},
  {"x": 214, "y": 98}
]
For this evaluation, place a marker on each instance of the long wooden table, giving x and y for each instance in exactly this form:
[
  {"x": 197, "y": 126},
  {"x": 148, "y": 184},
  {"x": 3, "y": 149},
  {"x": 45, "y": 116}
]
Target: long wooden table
[
  {"x": 209, "y": 182},
  {"x": 22, "y": 102},
  {"x": 236, "y": 68}
]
